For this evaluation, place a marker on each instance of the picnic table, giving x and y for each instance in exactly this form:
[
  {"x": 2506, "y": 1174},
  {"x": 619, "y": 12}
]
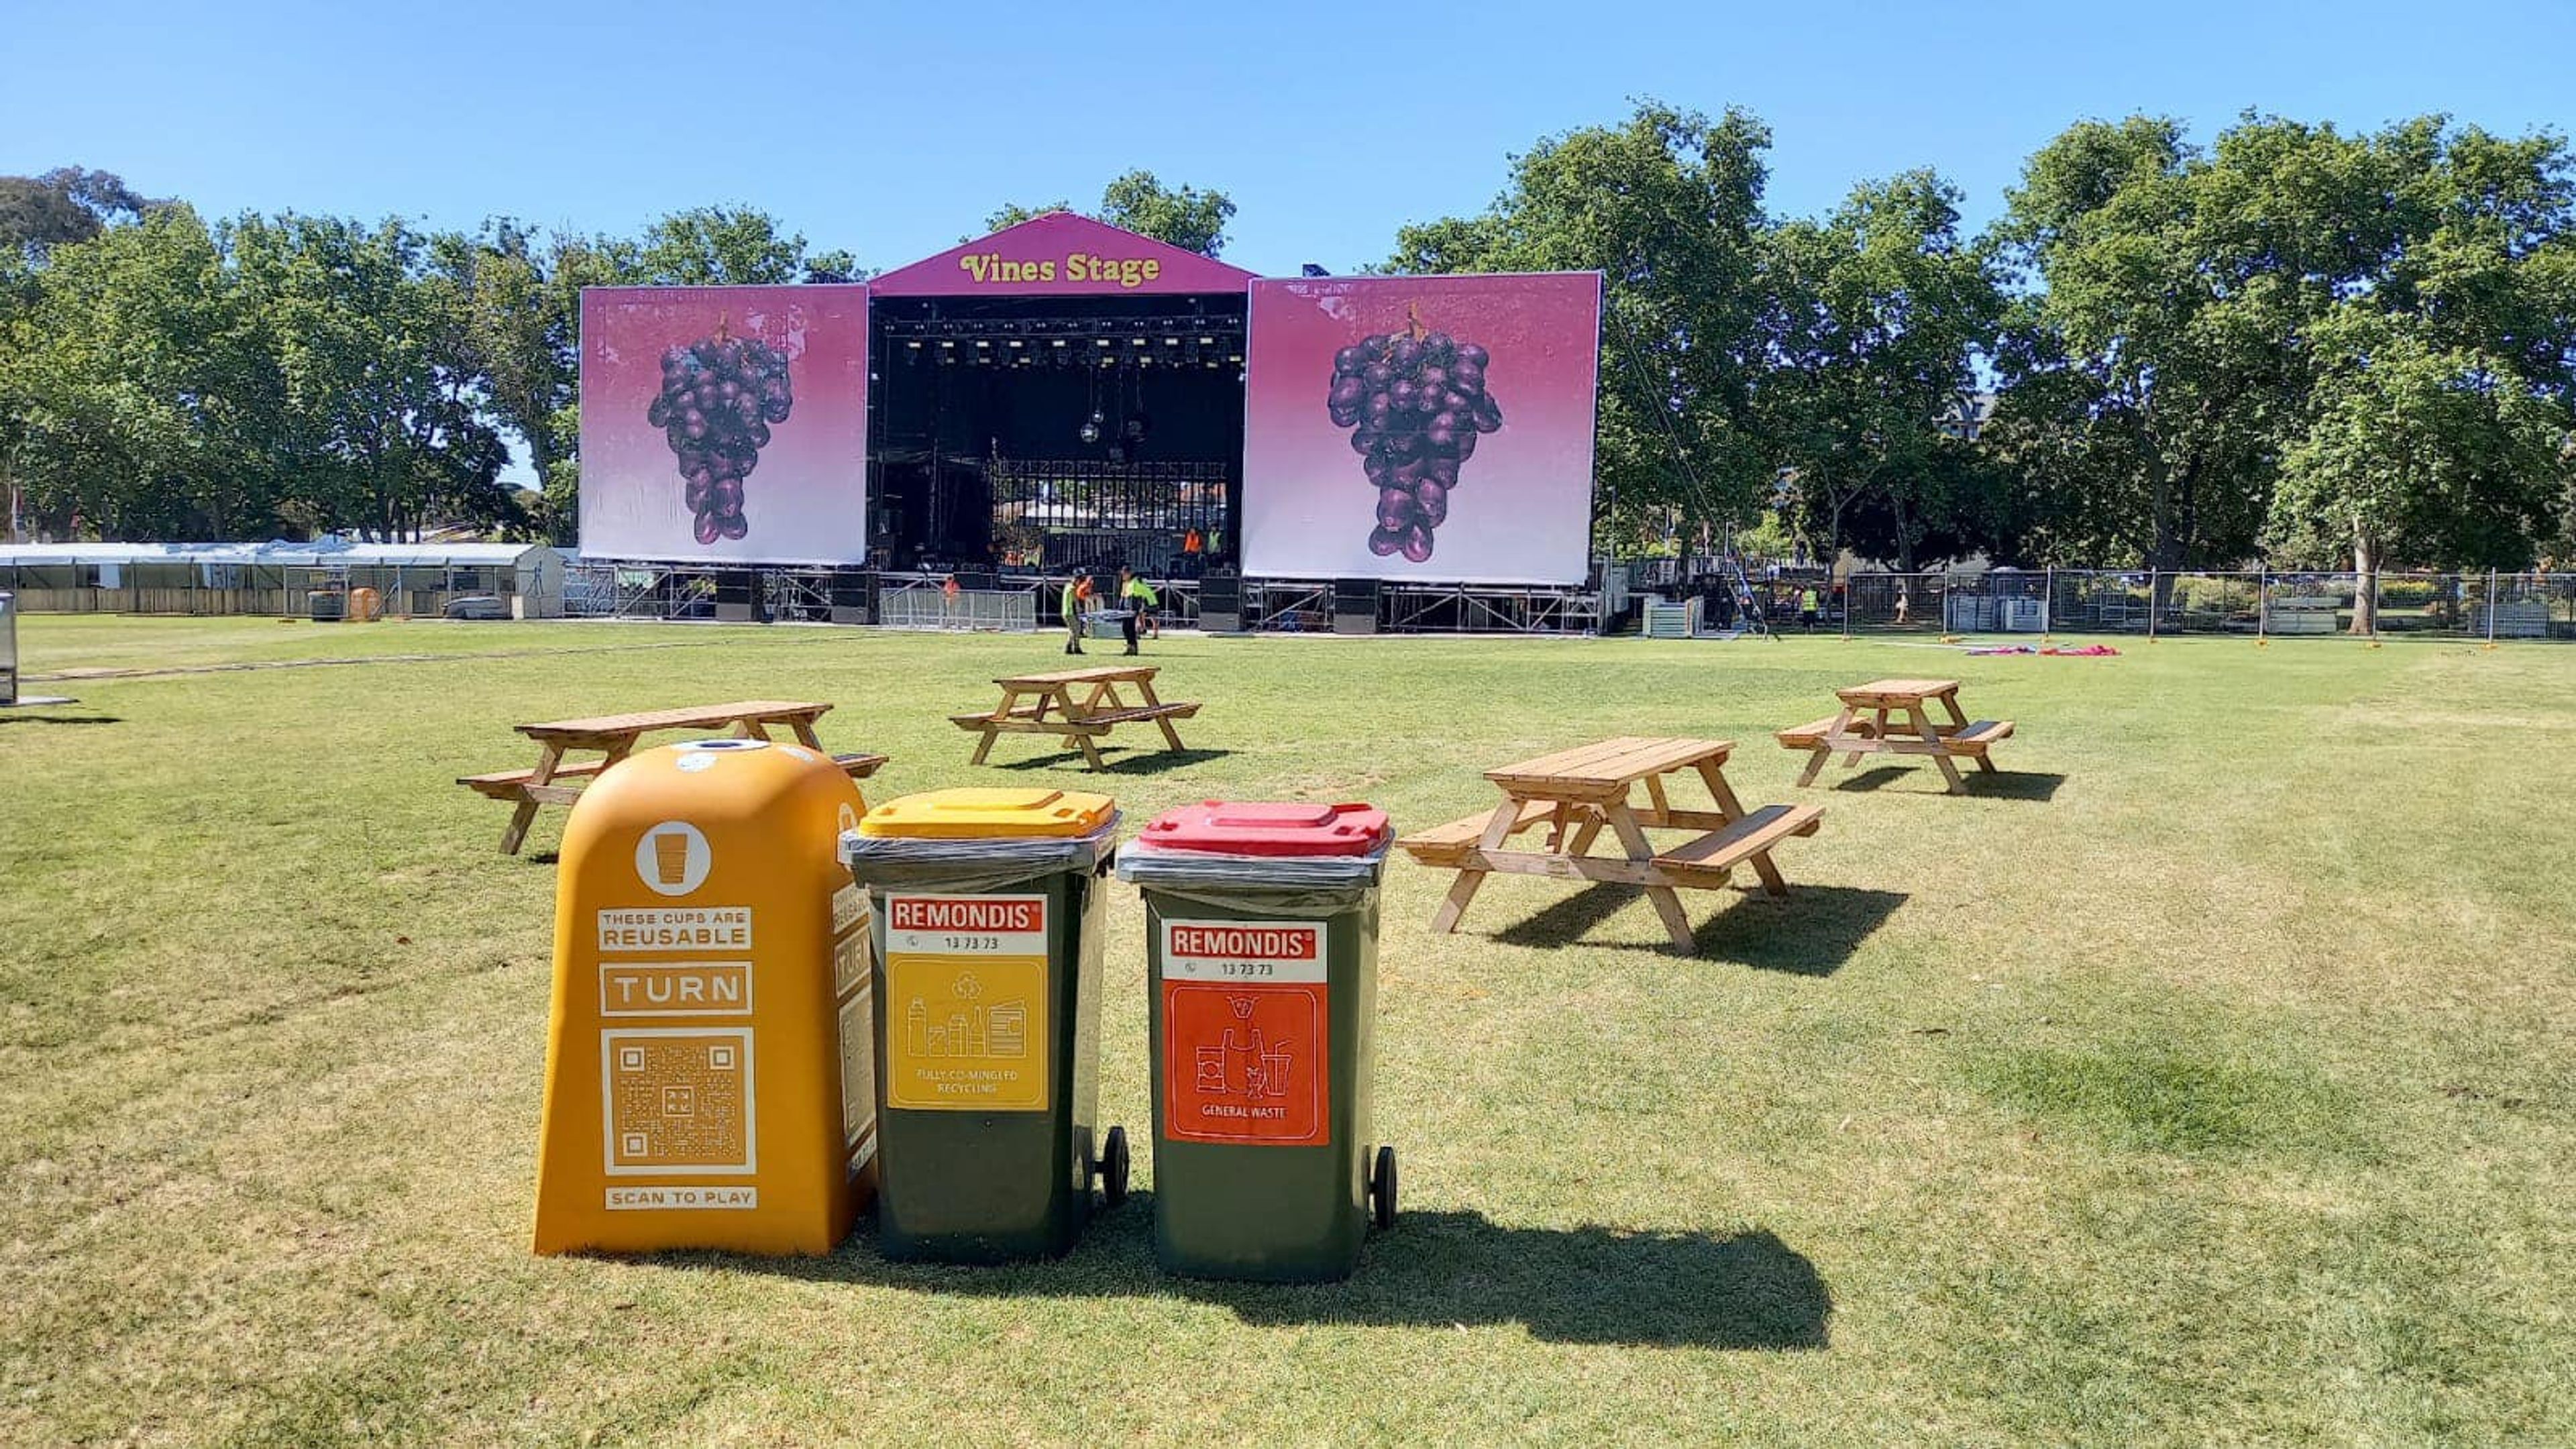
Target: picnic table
[
  {"x": 1079, "y": 704},
  {"x": 556, "y": 781},
  {"x": 1579, "y": 793},
  {"x": 1955, "y": 737}
]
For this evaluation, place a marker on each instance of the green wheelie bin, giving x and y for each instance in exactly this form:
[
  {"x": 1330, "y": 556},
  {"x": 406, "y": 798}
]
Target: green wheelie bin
[
  {"x": 1261, "y": 930},
  {"x": 987, "y": 976}
]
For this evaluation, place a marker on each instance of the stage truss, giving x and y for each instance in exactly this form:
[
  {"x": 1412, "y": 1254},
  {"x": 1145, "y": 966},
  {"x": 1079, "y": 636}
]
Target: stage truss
[{"x": 1487, "y": 609}]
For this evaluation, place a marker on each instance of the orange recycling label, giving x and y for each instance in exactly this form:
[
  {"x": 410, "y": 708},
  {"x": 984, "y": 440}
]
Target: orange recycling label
[{"x": 1246, "y": 1033}]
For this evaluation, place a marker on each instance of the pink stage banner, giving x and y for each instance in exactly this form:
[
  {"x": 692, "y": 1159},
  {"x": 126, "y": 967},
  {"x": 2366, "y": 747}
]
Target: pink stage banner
[
  {"x": 725, "y": 424},
  {"x": 1428, "y": 428},
  {"x": 1061, "y": 254}
]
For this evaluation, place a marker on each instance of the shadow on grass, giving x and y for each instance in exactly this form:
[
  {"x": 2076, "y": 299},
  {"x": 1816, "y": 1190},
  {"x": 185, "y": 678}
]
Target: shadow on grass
[
  {"x": 1118, "y": 760},
  {"x": 1998, "y": 785},
  {"x": 87, "y": 719},
  {"x": 1588, "y": 1284},
  {"x": 1811, "y": 933}
]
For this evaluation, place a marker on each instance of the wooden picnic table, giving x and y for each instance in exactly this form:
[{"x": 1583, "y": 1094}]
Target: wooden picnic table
[
  {"x": 1079, "y": 704},
  {"x": 1846, "y": 733},
  {"x": 1579, "y": 793},
  {"x": 555, "y": 781}
]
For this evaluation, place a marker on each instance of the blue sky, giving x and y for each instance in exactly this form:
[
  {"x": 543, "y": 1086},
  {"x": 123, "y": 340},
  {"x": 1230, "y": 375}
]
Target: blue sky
[{"x": 892, "y": 130}]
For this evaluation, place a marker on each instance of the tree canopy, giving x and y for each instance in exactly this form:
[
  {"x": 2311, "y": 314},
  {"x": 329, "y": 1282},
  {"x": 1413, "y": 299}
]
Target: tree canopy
[
  {"x": 2287, "y": 342},
  {"x": 1184, "y": 216}
]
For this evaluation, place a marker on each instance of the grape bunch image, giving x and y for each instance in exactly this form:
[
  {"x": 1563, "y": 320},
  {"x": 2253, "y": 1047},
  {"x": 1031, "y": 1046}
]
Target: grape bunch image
[
  {"x": 719, "y": 396},
  {"x": 1415, "y": 402}
]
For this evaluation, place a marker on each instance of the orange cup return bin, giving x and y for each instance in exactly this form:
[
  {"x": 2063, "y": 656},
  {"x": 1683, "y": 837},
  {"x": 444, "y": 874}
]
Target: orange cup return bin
[{"x": 708, "y": 1072}]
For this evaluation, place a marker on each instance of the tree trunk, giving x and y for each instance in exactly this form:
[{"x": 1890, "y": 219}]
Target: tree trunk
[{"x": 2365, "y": 584}]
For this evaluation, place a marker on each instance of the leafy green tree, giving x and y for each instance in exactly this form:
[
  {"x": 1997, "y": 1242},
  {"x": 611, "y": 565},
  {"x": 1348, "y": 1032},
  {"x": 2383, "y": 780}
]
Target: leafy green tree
[
  {"x": 133, "y": 387},
  {"x": 708, "y": 246},
  {"x": 65, "y": 205},
  {"x": 380, "y": 405},
  {"x": 1668, "y": 204},
  {"x": 1879, "y": 313},
  {"x": 1138, "y": 201},
  {"x": 2437, "y": 428},
  {"x": 521, "y": 295},
  {"x": 1013, "y": 213}
]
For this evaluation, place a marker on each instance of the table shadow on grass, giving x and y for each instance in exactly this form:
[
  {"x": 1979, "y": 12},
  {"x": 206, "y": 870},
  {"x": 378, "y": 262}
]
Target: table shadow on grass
[
  {"x": 2034, "y": 785},
  {"x": 1813, "y": 931},
  {"x": 1119, "y": 761},
  {"x": 1434, "y": 1269},
  {"x": 48, "y": 719}
]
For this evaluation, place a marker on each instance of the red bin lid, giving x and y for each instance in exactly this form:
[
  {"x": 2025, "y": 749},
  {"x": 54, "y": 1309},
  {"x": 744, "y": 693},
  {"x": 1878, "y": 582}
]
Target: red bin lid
[{"x": 1236, "y": 827}]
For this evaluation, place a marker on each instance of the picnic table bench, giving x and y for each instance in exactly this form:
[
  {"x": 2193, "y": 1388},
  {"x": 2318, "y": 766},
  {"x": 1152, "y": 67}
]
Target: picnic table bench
[
  {"x": 1844, "y": 732},
  {"x": 555, "y": 781},
  {"x": 1080, "y": 705},
  {"x": 1579, "y": 793}
]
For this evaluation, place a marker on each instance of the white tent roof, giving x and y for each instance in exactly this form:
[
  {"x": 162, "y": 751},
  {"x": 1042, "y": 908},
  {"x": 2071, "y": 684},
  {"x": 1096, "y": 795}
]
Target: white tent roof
[{"x": 276, "y": 554}]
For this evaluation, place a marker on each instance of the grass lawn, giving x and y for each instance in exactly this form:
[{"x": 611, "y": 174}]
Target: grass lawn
[{"x": 2205, "y": 1080}]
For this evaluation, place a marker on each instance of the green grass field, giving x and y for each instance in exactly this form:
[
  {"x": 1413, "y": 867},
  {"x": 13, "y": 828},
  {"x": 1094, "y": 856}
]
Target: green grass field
[{"x": 2204, "y": 1080}]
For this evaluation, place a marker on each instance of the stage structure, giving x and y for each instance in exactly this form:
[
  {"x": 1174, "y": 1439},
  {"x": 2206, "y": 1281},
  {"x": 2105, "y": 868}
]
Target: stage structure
[{"x": 1062, "y": 394}]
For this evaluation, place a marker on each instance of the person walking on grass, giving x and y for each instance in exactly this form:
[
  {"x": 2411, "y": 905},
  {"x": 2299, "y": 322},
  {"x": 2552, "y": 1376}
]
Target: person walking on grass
[
  {"x": 1138, "y": 598},
  {"x": 1810, "y": 604},
  {"x": 1077, "y": 593}
]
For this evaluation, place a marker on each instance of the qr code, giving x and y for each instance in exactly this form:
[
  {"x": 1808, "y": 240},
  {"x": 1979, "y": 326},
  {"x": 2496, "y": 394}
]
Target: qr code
[{"x": 678, "y": 1100}]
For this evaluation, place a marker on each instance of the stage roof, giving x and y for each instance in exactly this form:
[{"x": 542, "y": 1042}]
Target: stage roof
[{"x": 1063, "y": 255}]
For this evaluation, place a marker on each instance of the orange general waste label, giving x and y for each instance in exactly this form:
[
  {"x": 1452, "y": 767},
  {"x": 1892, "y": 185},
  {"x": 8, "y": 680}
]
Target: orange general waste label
[
  {"x": 966, "y": 1003},
  {"x": 1246, "y": 1033}
]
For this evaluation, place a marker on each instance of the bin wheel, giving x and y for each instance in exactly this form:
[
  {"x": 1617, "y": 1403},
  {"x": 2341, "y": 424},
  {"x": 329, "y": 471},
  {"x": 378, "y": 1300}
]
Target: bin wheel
[
  {"x": 1382, "y": 1190},
  {"x": 1112, "y": 1167}
]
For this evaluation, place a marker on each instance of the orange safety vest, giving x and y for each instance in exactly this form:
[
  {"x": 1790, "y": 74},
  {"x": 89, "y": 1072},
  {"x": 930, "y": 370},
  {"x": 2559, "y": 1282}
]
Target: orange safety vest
[{"x": 1191, "y": 542}]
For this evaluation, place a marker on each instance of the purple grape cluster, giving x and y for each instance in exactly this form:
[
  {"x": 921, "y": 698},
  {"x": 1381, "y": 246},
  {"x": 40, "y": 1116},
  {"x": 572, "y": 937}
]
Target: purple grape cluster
[
  {"x": 1414, "y": 401},
  {"x": 719, "y": 396}
]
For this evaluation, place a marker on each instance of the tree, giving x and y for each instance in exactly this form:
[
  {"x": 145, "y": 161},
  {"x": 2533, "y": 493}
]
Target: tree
[
  {"x": 1138, "y": 201},
  {"x": 710, "y": 246},
  {"x": 375, "y": 351},
  {"x": 1878, "y": 314},
  {"x": 1668, "y": 205},
  {"x": 2437, "y": 429},
  {"x": 132, "y": 390},
  {"x": 521, "y": 296},
  {"x": 1013, "y": 213},
  {"x": 65, "y": 205},
  {"x": 2181, "y": 288}
]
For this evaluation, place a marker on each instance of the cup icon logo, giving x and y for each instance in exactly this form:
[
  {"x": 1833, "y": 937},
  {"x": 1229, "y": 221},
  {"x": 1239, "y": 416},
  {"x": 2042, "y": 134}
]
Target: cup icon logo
[{"x": 673, "y": 858}]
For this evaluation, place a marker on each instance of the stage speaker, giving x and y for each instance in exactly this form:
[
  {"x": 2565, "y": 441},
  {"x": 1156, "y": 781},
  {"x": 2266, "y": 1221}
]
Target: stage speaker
[
  {"x": 1221, "y": 603},
  {"x": 736, "y": 591},
  {"x": 1354, "y": 606}
]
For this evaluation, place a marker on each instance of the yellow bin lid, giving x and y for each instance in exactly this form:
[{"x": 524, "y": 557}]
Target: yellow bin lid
[{"x": 977, "y": 814}]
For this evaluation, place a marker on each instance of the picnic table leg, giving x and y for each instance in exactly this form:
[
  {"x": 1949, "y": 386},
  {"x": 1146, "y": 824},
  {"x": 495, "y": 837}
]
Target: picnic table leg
[
  {"x": 1077, "y": 740},
  {"x": 804, "y": 727},
  {"x": 1498, "y": 828},
  {"x": 1090, "y": 750},
  {"x": 1950, "y": 702},
  {"x": 1824, "y": 747},
  {"x": 1667, "y": 904},
  {"x": 516, "y": 832},
  {"x": 1733, "y": 810},
  {"x": 1940, "y": 749},
  {"x": 1877, "y": 731},
  {"x": 1585, "y": 834},
  {"x": 993, "y": 728},
  {"x": 1171, "y": 736}
]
